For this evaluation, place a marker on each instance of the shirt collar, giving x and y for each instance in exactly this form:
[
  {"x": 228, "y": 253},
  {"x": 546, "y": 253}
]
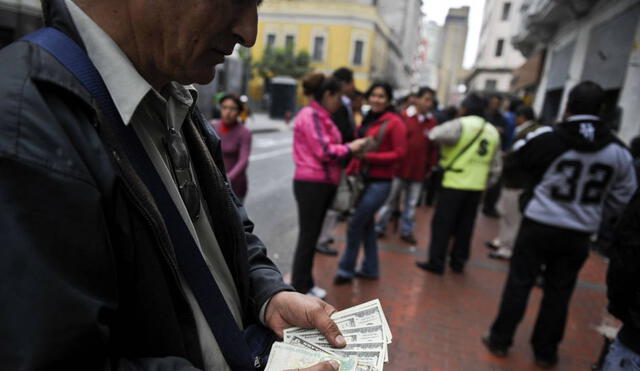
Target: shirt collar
[{"x": 125, "y": 85}]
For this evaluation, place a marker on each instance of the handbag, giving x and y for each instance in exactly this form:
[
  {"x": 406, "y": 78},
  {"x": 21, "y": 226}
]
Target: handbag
[
  {"x": 438, "y": 172},
  {"x": 351, "y": 186}
]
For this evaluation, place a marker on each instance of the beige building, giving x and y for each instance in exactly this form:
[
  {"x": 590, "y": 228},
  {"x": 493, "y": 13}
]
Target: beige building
[{"x": 453, "y": 43}]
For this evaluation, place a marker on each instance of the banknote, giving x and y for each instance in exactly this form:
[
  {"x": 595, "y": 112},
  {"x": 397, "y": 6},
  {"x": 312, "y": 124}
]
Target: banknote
[{"x": 289, "y": 357}]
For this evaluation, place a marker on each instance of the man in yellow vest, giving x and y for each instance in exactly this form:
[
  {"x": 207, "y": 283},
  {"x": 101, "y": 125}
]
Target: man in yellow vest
[{"x": 470, "y": 163}]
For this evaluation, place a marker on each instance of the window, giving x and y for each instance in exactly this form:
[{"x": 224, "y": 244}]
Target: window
[
  {"x": 290, "y": 42},
  {"x": 499, "y": 47},
  {"x": 490, "y": 85},
  {"x": 358, "y": 49},
  {"x": 271, "y": 41},
  {"x": 506, "y": 9},
  {"x": 318, "y": 48}
]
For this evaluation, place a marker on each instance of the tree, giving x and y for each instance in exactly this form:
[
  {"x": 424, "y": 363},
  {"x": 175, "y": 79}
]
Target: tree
[{"x": 283, "y": 62}]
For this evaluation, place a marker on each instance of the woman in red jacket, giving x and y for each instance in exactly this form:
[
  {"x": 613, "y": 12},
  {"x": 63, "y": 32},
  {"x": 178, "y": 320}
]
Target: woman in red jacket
[{"x": 378, "y": 167}]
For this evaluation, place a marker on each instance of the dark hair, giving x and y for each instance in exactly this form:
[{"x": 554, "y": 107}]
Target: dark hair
[
  {"x": 424, "y": 90},
  {"x": 525, "y": 111},
  {"x": 514, "y": 104},
  {"x": 343, "y": 74},
  {"x": 586, "y": 98},
  {"x": 358, "y": 93},
  {"x": 497, "y": 96},
  {"x": 316, "y": 84},
  {"x": 474, "y": 105},
  {"x": 450, "y": 112},
  {"x": 388, "y": 90},
  {"x": 235, "y": 100}
]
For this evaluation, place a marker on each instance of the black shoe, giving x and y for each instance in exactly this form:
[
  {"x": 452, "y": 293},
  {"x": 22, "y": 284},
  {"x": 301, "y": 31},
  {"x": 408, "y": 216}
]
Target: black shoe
[
  {"x": 430, "y": 268},
  {"x": 496, "y": 350},
  {"x": 365, "y": 276},
  {"x": 323, "y": 248},
  {"x": 409, "y": 238},
  {"x": 342, "y": 280},
  {"x": 491, "y": 213},
  {"x": 546, "y": 362},
  {"x": 380, "y": 234},
  {"x": 456, "y": 269},
  {"x": 491, "y": 245}
]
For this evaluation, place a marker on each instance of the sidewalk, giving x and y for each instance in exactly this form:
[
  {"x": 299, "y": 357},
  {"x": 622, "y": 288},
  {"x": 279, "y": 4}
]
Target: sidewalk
[
  {"x": 261, "y": 123},
  {"x": 438, "y": 321}
]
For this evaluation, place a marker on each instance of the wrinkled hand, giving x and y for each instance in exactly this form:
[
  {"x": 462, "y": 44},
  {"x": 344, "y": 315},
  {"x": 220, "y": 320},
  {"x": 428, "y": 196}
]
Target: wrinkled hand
[
  {"x": 288, "y": 309},
  {"x": 323, "y": 366}
]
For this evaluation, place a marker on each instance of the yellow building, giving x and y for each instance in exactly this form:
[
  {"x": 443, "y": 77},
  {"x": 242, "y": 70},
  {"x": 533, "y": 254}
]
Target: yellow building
[{"x": 335, "y": 33}]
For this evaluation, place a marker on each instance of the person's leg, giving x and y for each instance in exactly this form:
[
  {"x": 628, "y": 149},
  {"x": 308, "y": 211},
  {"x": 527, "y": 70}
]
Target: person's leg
[
  {"x": 330, "y": 220},
  {"x": 389, "y": 206},
  {"x": 510, "y": 219},
  {"x": 491, "y": 197},
  {"x": 464, "y": 229},
  {"x": 413, "y": 190},
  {"x": 312, "y": 200},
  {"x": 524, "y": 267},
  {"x": 563, "y": 261},
  {"x": 365, "y": 210},
  {"x": 442, "y": 226},
  {"x": 379, "y": 192}
]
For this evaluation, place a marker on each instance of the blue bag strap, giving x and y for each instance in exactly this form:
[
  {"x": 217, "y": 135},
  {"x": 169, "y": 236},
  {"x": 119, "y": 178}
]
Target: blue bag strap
[{"x": 228, "y": 335}]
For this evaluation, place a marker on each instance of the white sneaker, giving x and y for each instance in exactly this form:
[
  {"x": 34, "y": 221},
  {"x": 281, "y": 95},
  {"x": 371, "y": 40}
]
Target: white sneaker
[{"x": 317, "y": 292}]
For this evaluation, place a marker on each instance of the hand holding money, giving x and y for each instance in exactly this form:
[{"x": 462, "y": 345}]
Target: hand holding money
[{"x": 365, "y": 329}]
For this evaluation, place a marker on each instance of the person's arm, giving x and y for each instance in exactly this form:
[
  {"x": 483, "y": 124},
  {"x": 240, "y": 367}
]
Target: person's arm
[
  {"x": 243, "y": 156},
  {"x": 57, "y": 273},
  {"x": 622, "y": 189},
  {"x": 398, "y": 133},
  {"x": 448, "y": 133},
  {"x": 318, "y": 139},
  {"x": 496, "y": 168}
]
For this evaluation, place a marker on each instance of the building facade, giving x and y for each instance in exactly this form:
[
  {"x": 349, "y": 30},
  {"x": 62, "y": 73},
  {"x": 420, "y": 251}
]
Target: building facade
[
  {"x": 17, "y": 18},
  {"x": 497, "y": 58},
  {"x": 596, "y": 40},
  {"x": 335, "y": 33},
  {"x": 428, "y": 56},
  {"x": 453, "y": 43}
]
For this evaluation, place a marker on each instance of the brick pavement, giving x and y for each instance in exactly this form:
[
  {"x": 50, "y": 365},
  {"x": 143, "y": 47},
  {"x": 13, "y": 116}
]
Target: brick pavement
[{"x": 437, "y": 321}]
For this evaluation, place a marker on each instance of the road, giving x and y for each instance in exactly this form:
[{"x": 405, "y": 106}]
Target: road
[{"x": 270, "y": 201}]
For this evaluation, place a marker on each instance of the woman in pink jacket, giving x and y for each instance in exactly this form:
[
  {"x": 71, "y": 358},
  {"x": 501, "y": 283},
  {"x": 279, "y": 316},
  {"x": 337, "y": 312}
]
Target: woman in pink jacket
[{"x": 317, "y": 150}]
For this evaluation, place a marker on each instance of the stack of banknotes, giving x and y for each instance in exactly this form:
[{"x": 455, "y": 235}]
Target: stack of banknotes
[{"x": 365, "y": 329}]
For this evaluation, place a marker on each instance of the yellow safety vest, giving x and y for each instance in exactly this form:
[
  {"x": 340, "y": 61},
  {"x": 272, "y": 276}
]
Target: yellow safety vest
[{"x": 470, "y": 171}]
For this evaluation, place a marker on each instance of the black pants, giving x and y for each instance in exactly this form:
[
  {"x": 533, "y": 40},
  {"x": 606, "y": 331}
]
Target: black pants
[
  {"x": 455, "y": 215},
  {"x": 562, "y": 252},
  {"x": 491, "y": 197},
  {"x": 313, "y": 200}
]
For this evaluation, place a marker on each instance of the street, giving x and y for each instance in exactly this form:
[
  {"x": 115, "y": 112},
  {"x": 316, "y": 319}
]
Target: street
[{"x": 270, "y": 201}]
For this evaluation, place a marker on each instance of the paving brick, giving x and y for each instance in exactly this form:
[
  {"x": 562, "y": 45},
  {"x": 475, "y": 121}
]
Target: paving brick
[{"x": 438, "y": 322}]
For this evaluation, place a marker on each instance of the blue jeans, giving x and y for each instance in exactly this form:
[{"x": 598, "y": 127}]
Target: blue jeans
[
  {"x": 362, "y": 229},
  {"x": 411, "y": 191},
  {"x": 621, "y": 358}
]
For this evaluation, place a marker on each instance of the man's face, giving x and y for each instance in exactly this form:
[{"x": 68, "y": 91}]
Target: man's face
[
  {"x": 348, "y": 88},
  {"x": 424, "y": 103},
  {"x": 185, "y": 39},
  {"x": 494, "y": 104}
]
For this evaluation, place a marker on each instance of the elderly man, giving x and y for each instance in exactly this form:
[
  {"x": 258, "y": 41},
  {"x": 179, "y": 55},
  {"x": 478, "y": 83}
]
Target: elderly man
[{"x": 122, "y": 245}]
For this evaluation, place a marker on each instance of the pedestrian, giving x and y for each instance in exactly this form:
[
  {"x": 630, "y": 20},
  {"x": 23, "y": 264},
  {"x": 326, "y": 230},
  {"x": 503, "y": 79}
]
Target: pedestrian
[
  {"x": 317, "y": 152},
  {"x": 623, "y": 286},
  {"x": 122, "y": 245},
  {"x": 236, "y": 143},
  {"x": 577, "y": 172},
  {"x": 509, "y": 204},
  {"x": 471, "y": 162},
  {"x": 356, "y": 107},
  {"x": 416, "y": 165},
  {"x": 344, "y": 120},
  {"x": 388, "y": 133},
  {"x": 494, "y": 115}
]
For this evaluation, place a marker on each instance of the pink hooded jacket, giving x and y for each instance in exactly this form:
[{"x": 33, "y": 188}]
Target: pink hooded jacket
[{"x": 317, "y": 146}]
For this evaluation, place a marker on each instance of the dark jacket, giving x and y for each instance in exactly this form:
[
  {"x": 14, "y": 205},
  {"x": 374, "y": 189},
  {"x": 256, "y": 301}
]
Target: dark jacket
[
  {"x": 88, "y": 275},
  {"x": 623, "y": 276},
  {"x": 343, "y": 119}
]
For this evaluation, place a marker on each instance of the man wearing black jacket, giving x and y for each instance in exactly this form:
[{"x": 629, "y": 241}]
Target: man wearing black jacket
[
  {"x": 92, "y": 275},
  {"x": 623, "y": 289}
]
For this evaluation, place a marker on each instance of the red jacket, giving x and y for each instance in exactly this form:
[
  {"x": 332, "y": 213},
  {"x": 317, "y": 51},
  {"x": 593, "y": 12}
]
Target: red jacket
[
  {"x": 422, "y": 153},
  {"x": 382, "y": 163}
]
